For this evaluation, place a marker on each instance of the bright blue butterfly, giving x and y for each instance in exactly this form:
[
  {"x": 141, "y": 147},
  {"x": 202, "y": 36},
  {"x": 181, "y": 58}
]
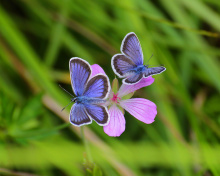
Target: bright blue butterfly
[
  {"x": 129, "y": 64},
  {"x": 90, "y": 94}
]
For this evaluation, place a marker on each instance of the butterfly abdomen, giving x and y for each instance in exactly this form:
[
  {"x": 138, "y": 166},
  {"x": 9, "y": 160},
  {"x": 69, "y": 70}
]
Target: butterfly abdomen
[{"x": 88, "y": 100}]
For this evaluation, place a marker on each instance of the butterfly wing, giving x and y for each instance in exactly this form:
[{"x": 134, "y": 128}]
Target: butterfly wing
[
  {"x": 97, "y": 87},
  {"x": 132, "y": 78},
  {"x": 98, "y": 113},
  {"x": 131, "y": 47},
  {"x": 80, "y": 72},
  {"x": 154, "y": 71},
  {"x": 122, "y": 65},
  {"x": 78, "y": 115}
]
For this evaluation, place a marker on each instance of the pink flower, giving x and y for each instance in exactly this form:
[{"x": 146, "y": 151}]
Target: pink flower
[{"x": 142, "y": 109}]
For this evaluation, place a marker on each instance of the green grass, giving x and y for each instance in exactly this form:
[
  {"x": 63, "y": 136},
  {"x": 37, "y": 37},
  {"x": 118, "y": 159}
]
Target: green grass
[{"x": 37, "y": 39}]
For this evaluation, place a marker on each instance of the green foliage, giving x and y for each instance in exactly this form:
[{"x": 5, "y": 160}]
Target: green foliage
[
  {"x": 37, "y": 39},
  {"x": 22, "y": 124}
]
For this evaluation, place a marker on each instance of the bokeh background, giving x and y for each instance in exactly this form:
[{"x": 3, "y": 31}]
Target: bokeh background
[{"x": 37, "y": 39}]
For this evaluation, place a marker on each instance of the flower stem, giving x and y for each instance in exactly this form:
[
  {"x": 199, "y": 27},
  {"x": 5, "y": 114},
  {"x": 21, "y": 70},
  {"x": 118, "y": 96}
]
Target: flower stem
[{"x": 85, "y": 142}]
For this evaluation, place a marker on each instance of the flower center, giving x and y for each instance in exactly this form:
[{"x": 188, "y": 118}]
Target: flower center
[{"x": 115, "y": 98}]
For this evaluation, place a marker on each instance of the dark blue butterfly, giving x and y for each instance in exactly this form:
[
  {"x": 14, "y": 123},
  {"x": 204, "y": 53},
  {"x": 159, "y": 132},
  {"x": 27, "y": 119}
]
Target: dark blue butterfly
[
  {"x": 129, "y": 64},
  {"x": 90, "y": 94}
]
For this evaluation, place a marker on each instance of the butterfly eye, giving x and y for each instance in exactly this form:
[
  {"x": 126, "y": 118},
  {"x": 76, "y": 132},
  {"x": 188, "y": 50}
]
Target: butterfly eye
[{"x": 73, "y": 99}]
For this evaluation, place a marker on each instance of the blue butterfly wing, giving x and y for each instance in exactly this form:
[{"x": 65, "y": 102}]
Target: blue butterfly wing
[
  {"x": 154, "y": 71},
  {"x": 78, "y": 115},
  {"x": 97, "y": 87},
  {"x": 122, "y": 65},
  {"x": 80, "y": 72},
  {"x": 98, "y": 113},
  {"x": 131, "y": 47},
  {"x": 133, "y": 78}
]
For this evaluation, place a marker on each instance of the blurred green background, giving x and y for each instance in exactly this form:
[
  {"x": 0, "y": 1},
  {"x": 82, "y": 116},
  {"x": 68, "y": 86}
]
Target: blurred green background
[{"x": 37, "y": 39}]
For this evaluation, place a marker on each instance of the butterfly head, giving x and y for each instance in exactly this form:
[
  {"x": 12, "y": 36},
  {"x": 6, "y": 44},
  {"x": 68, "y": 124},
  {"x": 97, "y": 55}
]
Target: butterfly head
[{"x": 74, "y": 99}]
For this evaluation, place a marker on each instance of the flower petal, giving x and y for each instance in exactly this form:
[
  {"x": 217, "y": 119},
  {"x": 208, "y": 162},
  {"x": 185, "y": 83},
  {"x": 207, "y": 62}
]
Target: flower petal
[
  {"x": 142, "y": 109},
  {"x": 116, "y": 125},
  {"x": 126, "y": 89},
  {"x": 96, "y": 69}
]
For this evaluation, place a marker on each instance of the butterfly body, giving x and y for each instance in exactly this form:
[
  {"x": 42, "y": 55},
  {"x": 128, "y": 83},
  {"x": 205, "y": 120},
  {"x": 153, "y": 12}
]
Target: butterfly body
[
  {"x": 139, "y": 69},
  {"x": 88, "y": 100},
  {"x": 90, "y": 92},
  {"x": 129, "y": 65}
]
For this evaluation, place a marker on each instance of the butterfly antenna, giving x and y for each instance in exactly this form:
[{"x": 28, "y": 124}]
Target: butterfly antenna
[
  {"x": 66, "y": 106},
  {"x": 150, "y": 58},
  {"x": 65, "y": 90}
]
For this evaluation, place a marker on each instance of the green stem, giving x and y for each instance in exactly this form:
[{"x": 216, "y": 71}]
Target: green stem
[{"x": 85, "y": 142}]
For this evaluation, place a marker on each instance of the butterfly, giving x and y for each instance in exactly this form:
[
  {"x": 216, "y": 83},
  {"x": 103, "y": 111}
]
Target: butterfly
[
  {"x": 90, "y": 92},
  {"x": 129, "y": 65}
]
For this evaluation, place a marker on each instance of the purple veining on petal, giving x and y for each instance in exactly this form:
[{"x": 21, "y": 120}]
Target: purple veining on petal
[
  {"x": 142, "y": 109},
  {"x": 116, "y": 125}
]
